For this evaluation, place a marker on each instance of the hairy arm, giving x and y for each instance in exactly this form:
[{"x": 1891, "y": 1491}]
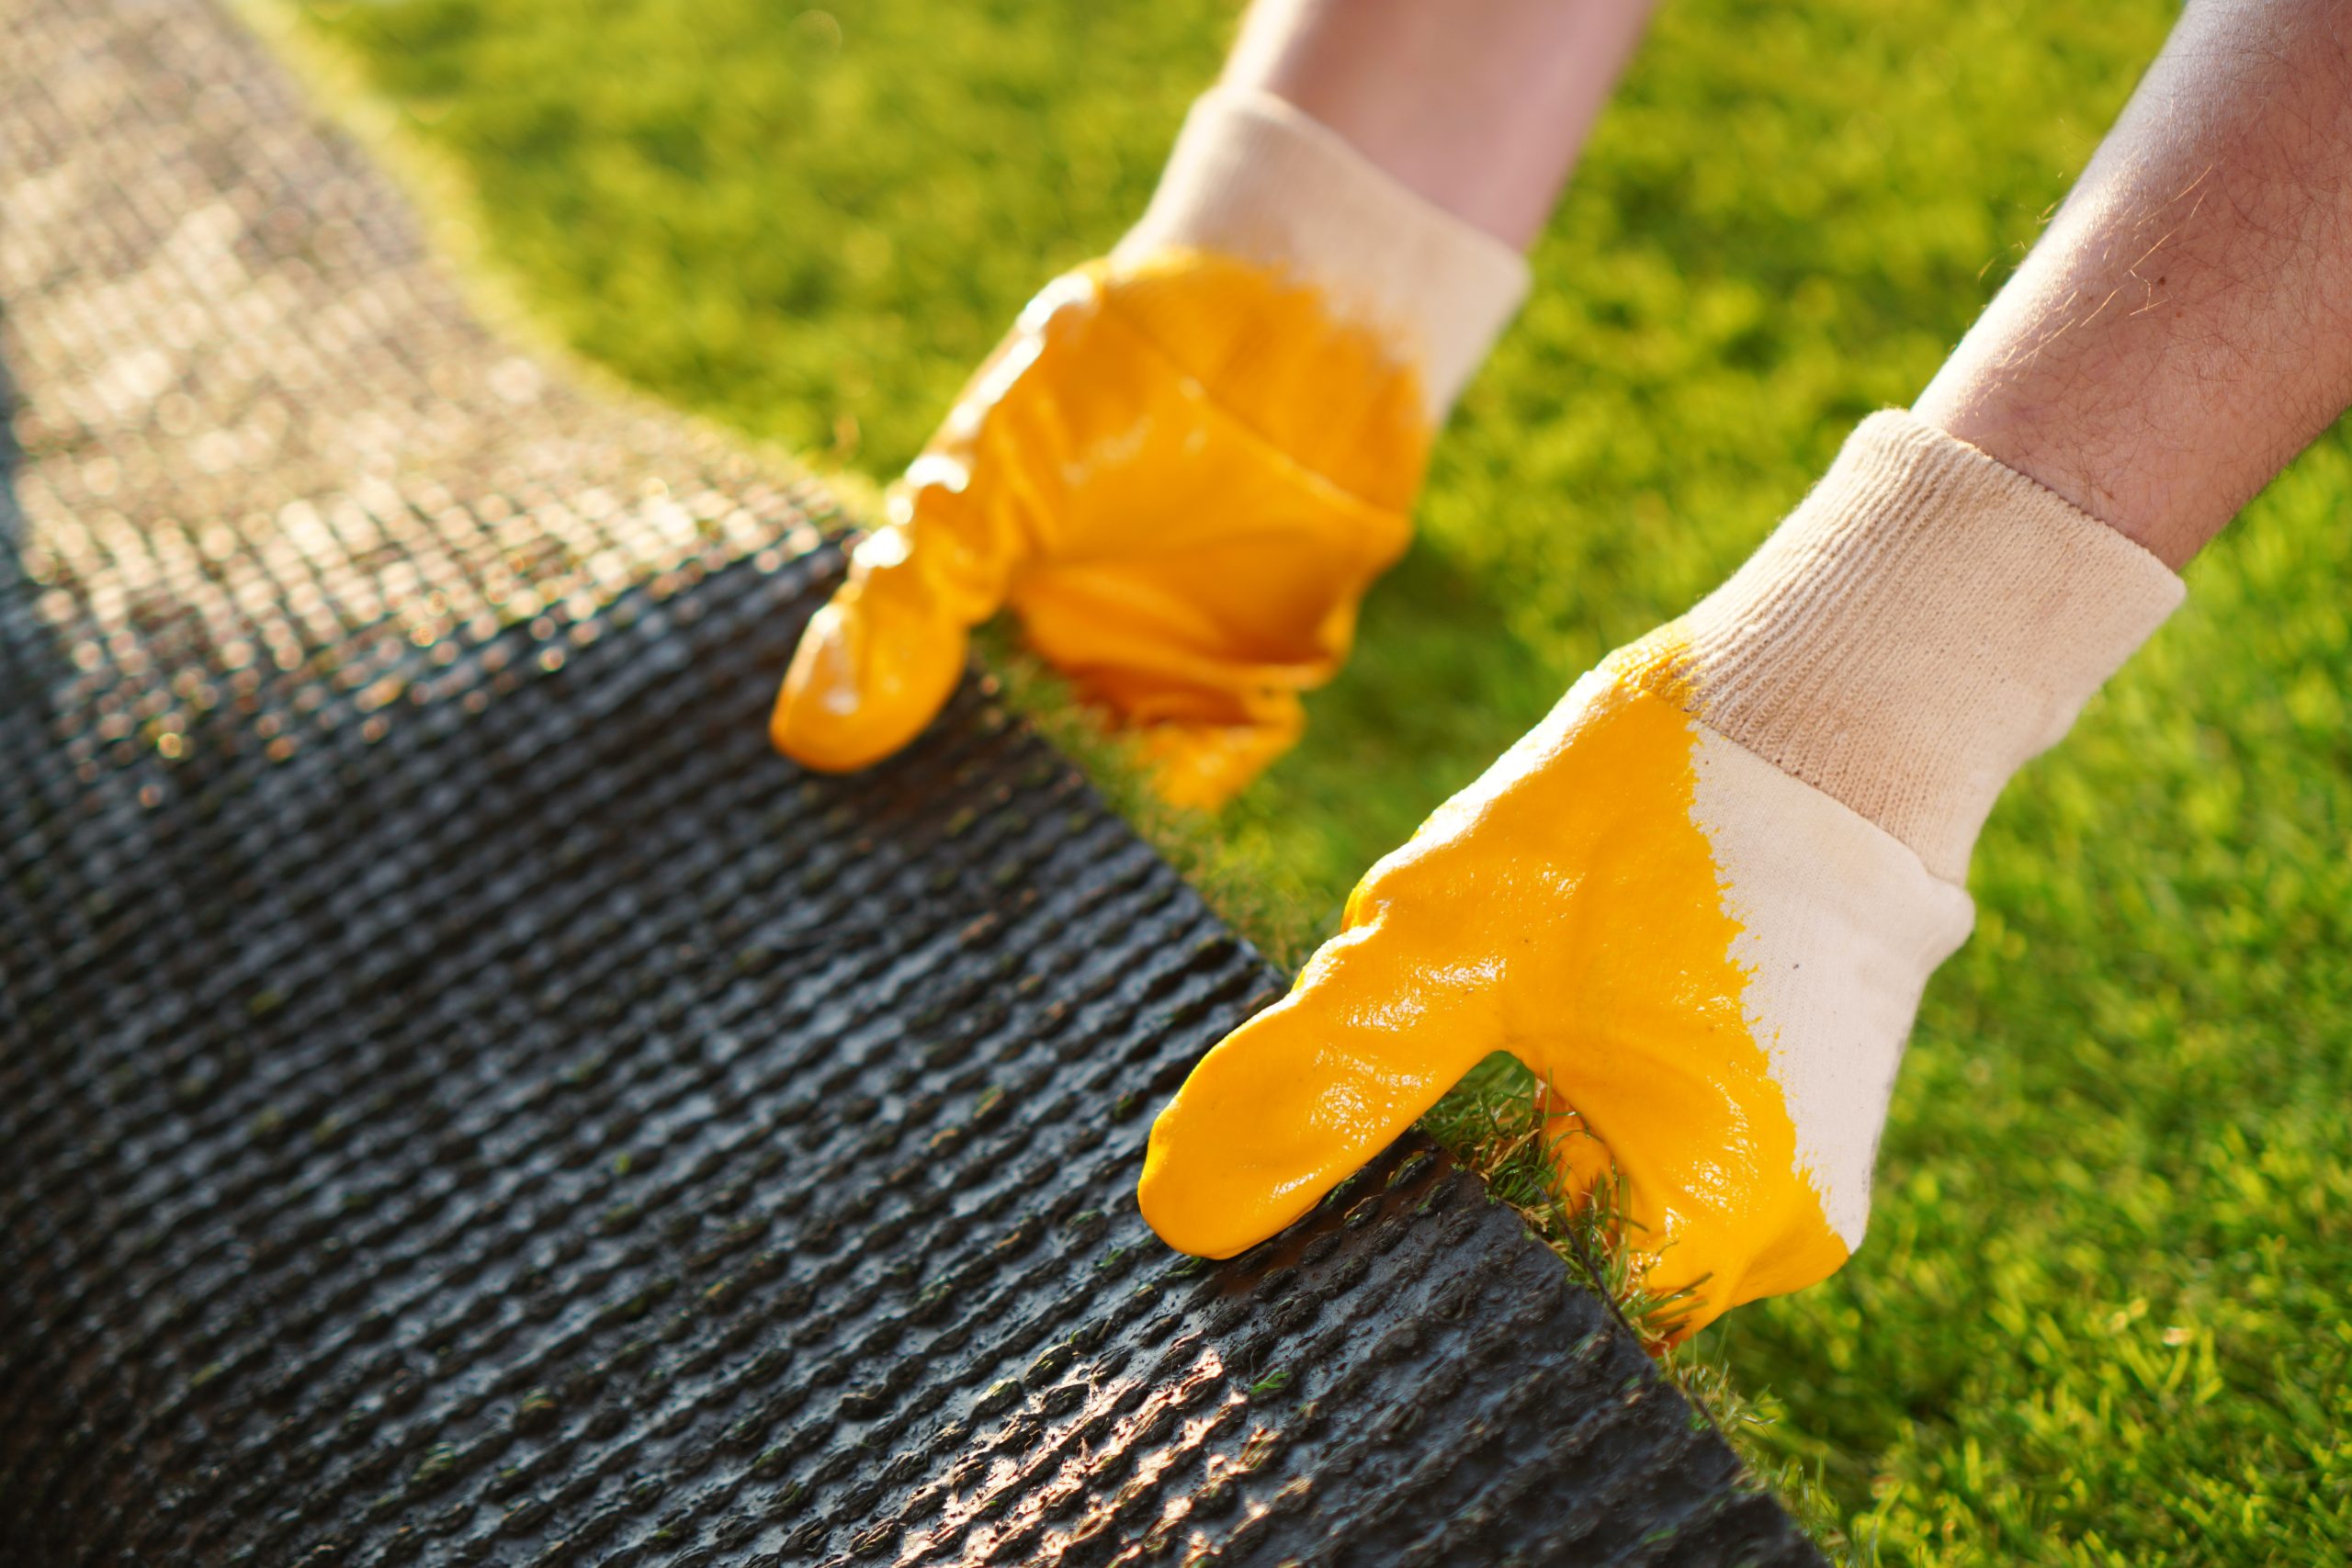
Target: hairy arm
[
  {"x": 2185, "y": 326},
  {"x": 1481, "y": 106}
]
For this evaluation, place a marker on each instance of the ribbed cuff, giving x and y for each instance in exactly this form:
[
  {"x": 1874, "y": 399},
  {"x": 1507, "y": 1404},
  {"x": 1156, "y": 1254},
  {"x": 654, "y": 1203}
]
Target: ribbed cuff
[
  {"x": 1924, "y": 624},
  {"x": 1253, "y": 177}
]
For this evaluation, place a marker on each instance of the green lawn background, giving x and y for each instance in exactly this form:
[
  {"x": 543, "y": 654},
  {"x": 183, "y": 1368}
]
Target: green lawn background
[{"x": 2101, "y": 1317}]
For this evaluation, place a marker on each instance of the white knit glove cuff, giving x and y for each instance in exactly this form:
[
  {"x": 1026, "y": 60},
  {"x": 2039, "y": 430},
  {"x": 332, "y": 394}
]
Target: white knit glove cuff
[
  {"x": 1925, "y": 623},
  {"x": 1254, "y": 178}
]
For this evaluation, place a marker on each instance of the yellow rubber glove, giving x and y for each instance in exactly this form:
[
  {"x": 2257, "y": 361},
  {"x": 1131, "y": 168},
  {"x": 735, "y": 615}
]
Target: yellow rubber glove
[
  {"x": 1700, "y": 899},
  {"x": 1184, "y": 467},
  {"x": 1183, "y": 474}
]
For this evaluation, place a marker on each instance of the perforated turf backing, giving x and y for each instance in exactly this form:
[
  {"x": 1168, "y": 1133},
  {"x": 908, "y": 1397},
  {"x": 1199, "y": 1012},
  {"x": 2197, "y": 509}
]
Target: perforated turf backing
[{"x": 465, "y": 1099}]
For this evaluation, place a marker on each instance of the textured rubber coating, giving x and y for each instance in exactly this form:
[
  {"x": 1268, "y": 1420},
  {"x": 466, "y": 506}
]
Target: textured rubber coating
[{"x": 466, "y": 1100}]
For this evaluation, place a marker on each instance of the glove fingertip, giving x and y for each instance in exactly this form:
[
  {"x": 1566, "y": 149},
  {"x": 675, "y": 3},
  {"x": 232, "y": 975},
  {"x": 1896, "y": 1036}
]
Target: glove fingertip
[
  {"x": 1173, "y": 1204},
  {"x": 1202, "y": 767},
  {"x": 856, "y": 691}
]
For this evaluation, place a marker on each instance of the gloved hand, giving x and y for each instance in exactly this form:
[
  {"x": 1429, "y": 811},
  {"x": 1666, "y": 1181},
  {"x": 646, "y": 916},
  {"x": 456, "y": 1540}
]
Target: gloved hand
[
  {"x": 1184, "y": 466},
  {"x": 1700, "y": 899}
]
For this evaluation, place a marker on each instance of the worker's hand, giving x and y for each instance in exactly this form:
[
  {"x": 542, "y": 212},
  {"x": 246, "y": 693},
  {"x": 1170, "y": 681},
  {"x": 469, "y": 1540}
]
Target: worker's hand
[
  {"x": 1183, "y": 468},
  {"x": 1181, "y": 473},
  {"x": 1713, "y": 964},
  {"x": 1701, "y": 898}
]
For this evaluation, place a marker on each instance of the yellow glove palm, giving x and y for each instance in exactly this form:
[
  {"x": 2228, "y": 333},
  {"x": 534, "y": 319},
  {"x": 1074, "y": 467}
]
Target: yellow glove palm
[{"x": 1181, "y": 474}]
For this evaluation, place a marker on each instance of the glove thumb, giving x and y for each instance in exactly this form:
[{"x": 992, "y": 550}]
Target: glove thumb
[
  {"x": 1309, "y": 1089},
  {"x": 883, "y": 656}
]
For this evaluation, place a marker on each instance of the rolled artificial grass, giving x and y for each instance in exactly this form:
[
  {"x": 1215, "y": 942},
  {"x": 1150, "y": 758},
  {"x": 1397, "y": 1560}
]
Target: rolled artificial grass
[{"x": 467, "y": 1096}]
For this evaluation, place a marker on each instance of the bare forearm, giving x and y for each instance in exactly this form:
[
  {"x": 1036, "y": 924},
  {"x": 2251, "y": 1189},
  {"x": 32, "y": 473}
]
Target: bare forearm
[
  {"x": 1481, "y": 106},
  {"x": 2185, "y": 326}
]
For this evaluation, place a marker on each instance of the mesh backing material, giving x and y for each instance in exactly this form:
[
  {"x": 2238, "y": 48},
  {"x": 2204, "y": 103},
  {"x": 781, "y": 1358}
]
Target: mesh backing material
[{"x": 465, "y": 1099}]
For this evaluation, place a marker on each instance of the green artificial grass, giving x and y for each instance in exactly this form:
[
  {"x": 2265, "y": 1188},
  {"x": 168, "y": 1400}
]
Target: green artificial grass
[{"x": 2102, "y": 1317}]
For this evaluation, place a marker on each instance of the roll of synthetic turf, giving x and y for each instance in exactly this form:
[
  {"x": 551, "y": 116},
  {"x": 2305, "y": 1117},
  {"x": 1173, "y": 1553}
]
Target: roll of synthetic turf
[{"x": 465, "y": 1099}]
